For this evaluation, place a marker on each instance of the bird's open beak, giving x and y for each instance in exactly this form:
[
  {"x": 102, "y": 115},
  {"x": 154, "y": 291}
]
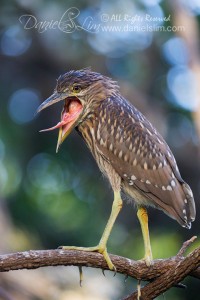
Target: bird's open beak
[{"x": 69, "y": 115}]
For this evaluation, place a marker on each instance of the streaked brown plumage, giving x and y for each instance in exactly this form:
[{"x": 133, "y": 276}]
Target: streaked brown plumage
[{"x": 127, "y": 148}]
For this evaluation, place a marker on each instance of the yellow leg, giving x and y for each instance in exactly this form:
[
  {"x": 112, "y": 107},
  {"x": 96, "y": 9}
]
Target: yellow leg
[
  {"x": 143, "y": 218},
  {"x": 101, "y": 247}
]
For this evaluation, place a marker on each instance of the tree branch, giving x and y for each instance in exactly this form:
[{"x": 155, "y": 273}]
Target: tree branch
[
  {"x": 163, "y": 274},
  {"x": 172, "y": 275}
]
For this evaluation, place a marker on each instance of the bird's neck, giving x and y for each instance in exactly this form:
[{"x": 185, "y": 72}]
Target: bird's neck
[{"x": 94, "y": 120}]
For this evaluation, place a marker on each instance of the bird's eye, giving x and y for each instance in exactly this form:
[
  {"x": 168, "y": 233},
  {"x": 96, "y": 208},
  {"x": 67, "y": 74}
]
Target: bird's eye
[{"x": 76, "y": 88}]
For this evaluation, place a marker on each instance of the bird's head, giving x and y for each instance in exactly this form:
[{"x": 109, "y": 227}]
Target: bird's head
[{"x": 80, "y": 90}]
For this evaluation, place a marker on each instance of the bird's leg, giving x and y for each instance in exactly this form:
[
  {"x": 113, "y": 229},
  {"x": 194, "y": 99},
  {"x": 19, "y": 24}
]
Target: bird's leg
[
  {"x": 116, "y": 207},
  {"x": 101, "y": 247},
  {"x": 143, "y": 218}
]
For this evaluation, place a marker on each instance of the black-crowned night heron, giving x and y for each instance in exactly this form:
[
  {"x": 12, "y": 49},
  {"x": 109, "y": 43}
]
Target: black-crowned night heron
[{"x": 127, "y": 148}]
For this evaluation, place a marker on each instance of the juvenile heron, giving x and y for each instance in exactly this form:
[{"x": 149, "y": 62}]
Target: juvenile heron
[{"x": 127, "y": 148}]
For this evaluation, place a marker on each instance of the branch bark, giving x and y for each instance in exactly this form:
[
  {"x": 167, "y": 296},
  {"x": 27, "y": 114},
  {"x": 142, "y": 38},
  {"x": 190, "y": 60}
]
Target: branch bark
[{"x": 163, "y": 274}]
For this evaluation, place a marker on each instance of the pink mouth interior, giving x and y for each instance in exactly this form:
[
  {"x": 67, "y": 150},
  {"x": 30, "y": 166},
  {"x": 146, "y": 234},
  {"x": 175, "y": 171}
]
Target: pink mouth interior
[{"x": 69, "y": 115}]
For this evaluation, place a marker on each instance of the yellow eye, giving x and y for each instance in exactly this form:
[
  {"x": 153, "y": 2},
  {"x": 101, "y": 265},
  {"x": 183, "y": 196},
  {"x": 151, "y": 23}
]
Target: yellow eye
[{"x": 76, "y": 88}]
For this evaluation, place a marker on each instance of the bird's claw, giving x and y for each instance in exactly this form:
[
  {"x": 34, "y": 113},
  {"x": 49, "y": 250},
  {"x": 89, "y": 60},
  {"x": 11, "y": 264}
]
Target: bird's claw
[
  {"x": 148, "y": 260},
  {"x": 101, "y": 249},
  {"x": 104, "y": 252},
  {"x": 138, "y": 290},
  {"x": 80, "y": 275}
]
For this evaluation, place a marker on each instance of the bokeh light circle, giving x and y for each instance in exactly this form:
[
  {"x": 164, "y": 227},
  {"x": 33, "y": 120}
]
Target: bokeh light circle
[
  {"x": 15, "y": 41},
  {"x": 23, "y": 104}
]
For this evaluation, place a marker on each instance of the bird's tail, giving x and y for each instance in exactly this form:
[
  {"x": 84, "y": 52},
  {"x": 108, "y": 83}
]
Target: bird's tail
[{"x": 190, "y": 204}]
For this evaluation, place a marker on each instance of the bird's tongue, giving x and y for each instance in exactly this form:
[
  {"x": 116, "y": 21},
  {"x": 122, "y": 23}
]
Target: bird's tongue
[{"x": 69, "y": 115}]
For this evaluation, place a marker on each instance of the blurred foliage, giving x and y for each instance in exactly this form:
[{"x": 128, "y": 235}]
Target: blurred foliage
[{"x": 48, "y": 199}]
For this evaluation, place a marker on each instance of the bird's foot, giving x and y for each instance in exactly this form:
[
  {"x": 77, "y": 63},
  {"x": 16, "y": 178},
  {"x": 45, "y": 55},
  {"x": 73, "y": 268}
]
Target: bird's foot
[
  {"x": 101, "y": 249},
  {"x": 148, "y": 258},
  {"x": 148, "y": 261}
]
